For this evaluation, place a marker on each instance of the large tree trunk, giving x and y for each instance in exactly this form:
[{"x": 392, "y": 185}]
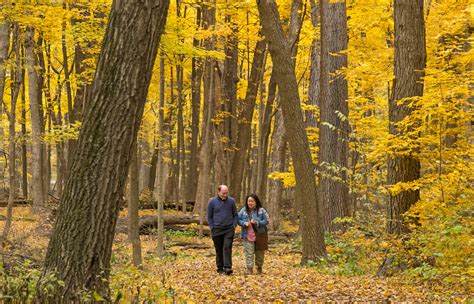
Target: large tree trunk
[
  {"x": 284, "y": 69},
  {"x": 410, "y": 62},
  {"x": 133, "y": 202},
  {"x": 81, "y": 243},
  {"x": 244, "y": 125},
  {"x": 334, "y": 128},
  {"x": 34, "y": 93}
]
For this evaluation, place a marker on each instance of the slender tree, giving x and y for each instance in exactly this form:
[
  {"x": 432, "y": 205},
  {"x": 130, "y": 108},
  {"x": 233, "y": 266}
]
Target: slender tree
[
  {"x": 34, "y": 94},
  {"x": 196, "y": 79},
  {"x": 133, "y": 204},
  {"x": 284, "y": 68},
  {"x": 80, "y": 247},
  {"x": 15, "y": 89}
]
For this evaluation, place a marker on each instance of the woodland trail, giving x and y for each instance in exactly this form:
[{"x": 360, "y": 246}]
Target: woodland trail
[{"x": 192, "y": 277}]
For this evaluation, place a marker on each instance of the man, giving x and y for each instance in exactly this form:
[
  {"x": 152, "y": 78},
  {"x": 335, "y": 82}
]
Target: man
[{"x": 222, "y": 217}]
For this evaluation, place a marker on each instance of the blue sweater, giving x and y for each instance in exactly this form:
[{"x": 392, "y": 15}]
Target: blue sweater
[{"x": 222, "y": 214}]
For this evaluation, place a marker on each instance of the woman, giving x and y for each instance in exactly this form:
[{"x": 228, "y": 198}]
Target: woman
[{"x": 253, "y": 218}]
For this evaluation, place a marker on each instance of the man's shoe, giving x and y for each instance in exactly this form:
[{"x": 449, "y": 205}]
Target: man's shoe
[
  {"x": 249, "y": 271},
  {"x": 259, "y": 270},
  {"x": 228, "y": 271},
  {"x": 220, "y": 271}
]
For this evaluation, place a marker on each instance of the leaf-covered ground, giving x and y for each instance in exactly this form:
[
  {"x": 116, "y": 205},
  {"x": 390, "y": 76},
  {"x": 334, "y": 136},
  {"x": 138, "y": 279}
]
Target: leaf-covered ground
[
  {"x": 191, "y": 274},
  {"x": 188, "y": 274}
]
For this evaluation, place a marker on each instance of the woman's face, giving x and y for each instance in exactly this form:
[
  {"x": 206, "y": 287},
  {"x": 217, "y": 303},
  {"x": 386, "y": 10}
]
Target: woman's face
[{"x": 251, "y": 202}]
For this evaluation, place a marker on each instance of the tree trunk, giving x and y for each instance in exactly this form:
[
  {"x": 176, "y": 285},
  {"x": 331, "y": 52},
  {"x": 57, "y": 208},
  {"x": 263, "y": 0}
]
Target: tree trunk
[
  {"x": 204, "y": 180},
  {"x": 34, "y": 93},
  {"x": 244, "y": 127},
  {"x": 80, "y": 247},
  {"x": 15, "y": 89},
  {"x": 24, "y": 158},
  {"x": 312, "y": 230},
  {"x": 144, "y": 169},
  {"x": 315, "y": 70},
  {"x": 334, "y": 128},
  {"x": 181, "y": 151},
  {"x": 133, "y": 202},
  {"x": 153, "y": 167},
  {"x": 275, "y": 186},
  {"x": 44, "y": 83},
  {"x": 159, "y": 186},
  {"x": 410, "y": 62},
  {"x": 4, "y": 47},
  {"x": 196, "y": 76},
  {"x": 230, "y": 80}
]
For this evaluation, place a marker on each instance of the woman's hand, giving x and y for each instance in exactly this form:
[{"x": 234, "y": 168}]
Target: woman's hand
[
  {"x": 253, "y": 221},
  {"x": 247, "y": 224}
]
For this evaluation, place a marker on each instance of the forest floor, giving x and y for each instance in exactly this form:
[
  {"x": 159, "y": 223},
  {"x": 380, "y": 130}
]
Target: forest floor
[{"x": 188, "y": 274}]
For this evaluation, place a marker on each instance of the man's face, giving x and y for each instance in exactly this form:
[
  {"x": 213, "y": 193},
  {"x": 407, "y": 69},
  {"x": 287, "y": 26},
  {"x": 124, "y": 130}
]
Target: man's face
[{"x": 223, "y": 193}]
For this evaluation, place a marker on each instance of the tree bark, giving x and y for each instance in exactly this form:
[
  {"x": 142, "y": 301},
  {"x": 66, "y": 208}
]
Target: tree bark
[
  {"x": 410, "y": 62},
  {"x": 34, "y": 93},
  {"x": 133, "y": 202},
  {"x": 80, "y": 247},
  {"x": 312, "y": 230},
  {"x": 334, "y": 111}
]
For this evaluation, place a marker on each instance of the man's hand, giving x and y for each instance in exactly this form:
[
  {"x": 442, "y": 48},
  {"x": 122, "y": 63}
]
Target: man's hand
[{"x": 253, "y": 221}]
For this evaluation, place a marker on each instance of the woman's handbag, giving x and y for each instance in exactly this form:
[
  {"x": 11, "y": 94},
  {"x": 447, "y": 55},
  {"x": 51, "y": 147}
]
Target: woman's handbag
[
  {"x": 261, "y": 238},
  {"x": 261, "y": 241}
]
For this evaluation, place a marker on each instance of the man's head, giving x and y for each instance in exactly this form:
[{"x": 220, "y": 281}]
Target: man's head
[{"x": 223, "y": 192}]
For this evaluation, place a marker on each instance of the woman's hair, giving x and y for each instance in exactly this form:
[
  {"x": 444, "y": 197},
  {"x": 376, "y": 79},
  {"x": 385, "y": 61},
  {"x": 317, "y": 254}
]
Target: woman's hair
[{"x": 257, "y": 201}]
